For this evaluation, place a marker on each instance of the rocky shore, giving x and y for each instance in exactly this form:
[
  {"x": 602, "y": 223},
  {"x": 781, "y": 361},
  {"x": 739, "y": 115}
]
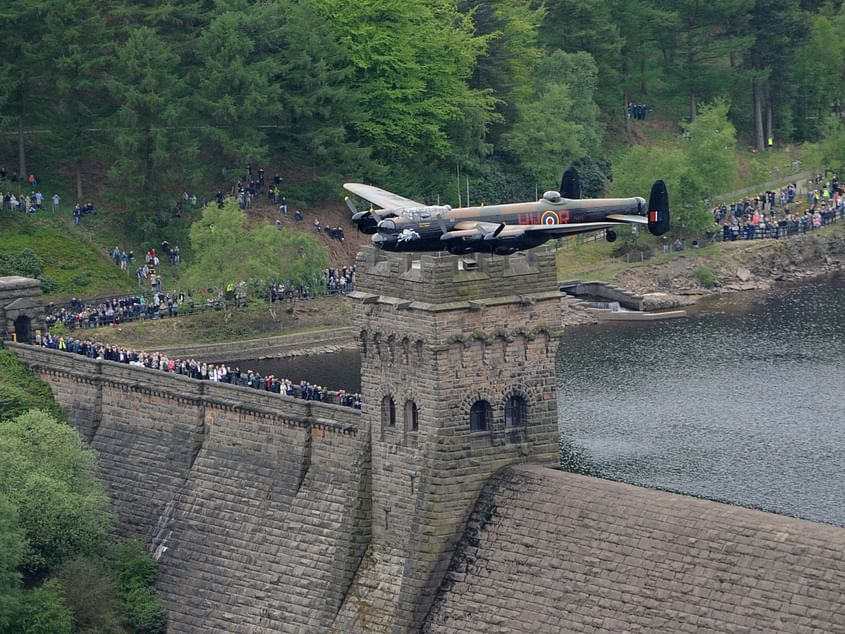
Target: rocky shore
[{"x": 728, "y": 267}]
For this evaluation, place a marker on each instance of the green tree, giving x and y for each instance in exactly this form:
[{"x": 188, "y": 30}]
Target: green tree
[
  {"x": 79, "y": 46},
  {"x": 91, "y": 595},
  {"x": 641, "y": 25},
  {"x": 226, "y": 251},
  {"x": 507, "y": 67},
  {"x": 706, "y": 166},
  {"x": 48, "y": 475},
  {"x": 154, "y": 146},
  {"x": 44, "y": 611},
  {"x": 320, "y": 105},
  {"x": 24, "y": 71},
  {"x": 589, "y": 26},
  {"x": 581, "y": 75},
  {"x": 831, "y": 149},
  {"x": 411, "y": 63},
  {"x": 544, "y": 137},
  {"x": 711, "y": 153},
  {"x": 235, "y": 93},
  {"x": 819, "y": 73},
  {"x": 778, "y": 29},
  {"x": 21, "y": 391},
  {"x": 698, "y": 45},
  {"x": 12, "y": 548},
  {"x": 558, "y": 124}
]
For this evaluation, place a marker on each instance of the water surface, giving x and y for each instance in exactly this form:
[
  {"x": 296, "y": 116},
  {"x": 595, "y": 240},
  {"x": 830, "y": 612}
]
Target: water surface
[{"x": 743, "y": 402}]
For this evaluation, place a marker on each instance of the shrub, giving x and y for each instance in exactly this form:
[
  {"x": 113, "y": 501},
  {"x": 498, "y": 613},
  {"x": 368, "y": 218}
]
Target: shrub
[
  {"x": 44, "y": 611},
  {"x": 706, "y": 277},
  {"x": 145, "y": 613}
]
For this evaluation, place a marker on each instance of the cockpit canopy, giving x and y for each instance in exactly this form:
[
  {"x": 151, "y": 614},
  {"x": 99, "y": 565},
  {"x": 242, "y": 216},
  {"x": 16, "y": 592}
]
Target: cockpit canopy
[{"x": 417, "y": 214}]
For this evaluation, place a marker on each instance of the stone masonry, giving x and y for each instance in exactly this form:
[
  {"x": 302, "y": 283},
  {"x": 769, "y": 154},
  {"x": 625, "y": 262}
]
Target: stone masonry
[
  {"x": 550, "y": 552},
  {"x": 256, "y": 505},
  {"x": 21, "y": 308},
  {"x": 438, "y": 336},
  {"x": 429, "y": 510}
]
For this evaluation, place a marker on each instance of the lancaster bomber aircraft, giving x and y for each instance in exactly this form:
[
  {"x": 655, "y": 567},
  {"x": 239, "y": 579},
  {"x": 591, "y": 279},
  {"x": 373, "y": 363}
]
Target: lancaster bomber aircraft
[{"x": 401, "y": 224}]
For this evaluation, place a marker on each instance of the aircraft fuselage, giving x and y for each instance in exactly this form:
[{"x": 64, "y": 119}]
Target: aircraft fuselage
[{"x": 421, "y": 229}]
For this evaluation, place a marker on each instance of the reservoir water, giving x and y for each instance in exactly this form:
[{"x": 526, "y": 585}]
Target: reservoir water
[{"x": 742, "y": 402}]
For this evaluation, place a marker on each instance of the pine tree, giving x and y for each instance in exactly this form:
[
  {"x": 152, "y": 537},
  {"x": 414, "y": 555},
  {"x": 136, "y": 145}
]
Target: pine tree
[{"x": 152, "y": 137}]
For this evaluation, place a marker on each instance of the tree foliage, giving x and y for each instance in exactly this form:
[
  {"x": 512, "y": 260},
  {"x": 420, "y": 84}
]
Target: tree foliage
[
  {"x": 400, "y": 92},
  {"x": 49, "y": 476},
  {"x": 12, "y": 550},
  {"x": 153, "y": 144},
  {"x": 226, "y": 251},
  {"x": 703, "y": 168},
  {"x": 20, "y": 390}
]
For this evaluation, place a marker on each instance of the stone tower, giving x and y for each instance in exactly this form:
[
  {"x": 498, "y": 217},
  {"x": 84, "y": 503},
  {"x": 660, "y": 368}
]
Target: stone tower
[
  {"x": 458, "y": 381},
  {"x": 21, "y": 308}
]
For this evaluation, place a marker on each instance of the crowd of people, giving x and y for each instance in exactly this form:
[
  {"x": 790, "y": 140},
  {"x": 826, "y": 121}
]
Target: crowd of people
[
  {"x": 199, "y": 370},
  {"x": 158, "y": 305},
  {"x": 637, "y": 110},
  {"x": 113, "y": 311},
  {"x": 773, "y": 214}
]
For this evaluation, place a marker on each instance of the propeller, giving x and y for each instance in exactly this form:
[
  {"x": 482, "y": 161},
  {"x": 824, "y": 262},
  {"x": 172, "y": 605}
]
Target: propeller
[
  {"x": 361, "y": 218},
  {"x": 495, "y": 233}
]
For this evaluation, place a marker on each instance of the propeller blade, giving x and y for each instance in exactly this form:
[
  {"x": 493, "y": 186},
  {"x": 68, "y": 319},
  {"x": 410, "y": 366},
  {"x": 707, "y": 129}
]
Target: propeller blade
[
  {"x": 492, "y": 235},
  {"x": 351, "y": 206}
]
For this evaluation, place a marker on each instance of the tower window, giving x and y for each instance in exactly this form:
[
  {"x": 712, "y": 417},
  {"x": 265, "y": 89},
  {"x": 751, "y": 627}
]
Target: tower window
[
  {"x": 388, "y": 412},
  {"x": 480, "y": 416},
  {"x": 516, "y": 411},
  {"x": 412, "y": 416}
]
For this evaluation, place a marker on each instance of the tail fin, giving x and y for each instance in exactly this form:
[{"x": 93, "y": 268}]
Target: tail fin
[
  {"x": 570, "y": 184},
  {"x": 658, "y": 209}
]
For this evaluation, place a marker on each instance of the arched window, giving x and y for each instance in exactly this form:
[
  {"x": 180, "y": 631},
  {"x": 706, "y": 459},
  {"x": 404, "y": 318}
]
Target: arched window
[
  {"x": 516, "y": 411},
  {"x": 412, "y": 416},
  {"x": 388, "y": 412},
  {"x": 480, "y": 416}
]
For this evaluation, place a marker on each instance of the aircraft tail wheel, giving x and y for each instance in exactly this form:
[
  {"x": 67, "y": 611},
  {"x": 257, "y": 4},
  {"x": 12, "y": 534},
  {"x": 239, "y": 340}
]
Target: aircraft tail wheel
[{"x": 611, "y": 235}]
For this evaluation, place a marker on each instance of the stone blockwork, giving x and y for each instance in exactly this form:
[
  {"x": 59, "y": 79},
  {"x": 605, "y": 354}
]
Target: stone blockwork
[
  {"x": 257, "y": 506},
  {"x": 444, "y": 339},
  {"x": 549, "y": 551},
  {"x": 21, "y": 308},
  {"x": 269, "y": 514}
]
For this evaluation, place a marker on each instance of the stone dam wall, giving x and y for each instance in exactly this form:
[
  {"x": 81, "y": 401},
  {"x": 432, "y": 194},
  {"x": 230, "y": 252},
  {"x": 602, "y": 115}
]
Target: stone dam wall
[
  {"x": 272, "y": 514},
  {"x": 255, "y": 505}
]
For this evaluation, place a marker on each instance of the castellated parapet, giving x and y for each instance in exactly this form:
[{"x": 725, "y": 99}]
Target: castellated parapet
[{"x": 458, "y": 381}]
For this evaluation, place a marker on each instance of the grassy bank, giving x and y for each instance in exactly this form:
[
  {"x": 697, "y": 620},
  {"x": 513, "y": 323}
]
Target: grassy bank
[
  {"x": 259, "y": 319},
  {"x": 76, "y": 265}
]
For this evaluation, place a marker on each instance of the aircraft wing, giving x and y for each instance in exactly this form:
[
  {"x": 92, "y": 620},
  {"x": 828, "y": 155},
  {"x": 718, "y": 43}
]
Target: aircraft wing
[
  {"x": 629, "y": 218},
  {"x": 380, "y": 197},
  {"x": 555, "y": 231},
  {"x": 491, "y": 230}
]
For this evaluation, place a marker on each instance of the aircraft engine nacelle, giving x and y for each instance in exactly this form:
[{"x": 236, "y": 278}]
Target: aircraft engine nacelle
[{"x": 367, "y": 222}]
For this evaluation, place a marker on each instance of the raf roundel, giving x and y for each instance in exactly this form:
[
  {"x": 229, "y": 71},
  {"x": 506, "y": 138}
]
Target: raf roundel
[{"x": 550, "y": 218}]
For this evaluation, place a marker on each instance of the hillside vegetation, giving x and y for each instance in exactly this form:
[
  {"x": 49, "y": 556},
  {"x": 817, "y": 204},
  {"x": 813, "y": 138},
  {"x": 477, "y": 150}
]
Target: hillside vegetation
[{"x": 448, "y": 101}]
